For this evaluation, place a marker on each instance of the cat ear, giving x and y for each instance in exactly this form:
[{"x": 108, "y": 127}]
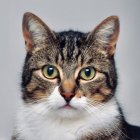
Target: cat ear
[
  {"x": 106, "y": 34},
  {"x": 36, "y": 33}
]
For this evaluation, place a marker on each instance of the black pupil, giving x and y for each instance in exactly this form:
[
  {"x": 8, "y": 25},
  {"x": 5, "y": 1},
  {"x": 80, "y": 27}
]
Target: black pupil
[
  {"x": 50, "y": 71},
  {"x": 87, "y": 72}
]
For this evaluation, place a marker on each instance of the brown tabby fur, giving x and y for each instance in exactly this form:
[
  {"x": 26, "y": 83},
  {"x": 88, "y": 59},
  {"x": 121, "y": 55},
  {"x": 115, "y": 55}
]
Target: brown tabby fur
[{"x": 69, "y": 51}]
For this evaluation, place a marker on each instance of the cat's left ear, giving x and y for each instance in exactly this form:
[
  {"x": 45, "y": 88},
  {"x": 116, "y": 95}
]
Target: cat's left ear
[{"x": 106, "y": 34}]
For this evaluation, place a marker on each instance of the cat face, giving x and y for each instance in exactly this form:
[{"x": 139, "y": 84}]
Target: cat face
[{"x": 70, "y": 72}]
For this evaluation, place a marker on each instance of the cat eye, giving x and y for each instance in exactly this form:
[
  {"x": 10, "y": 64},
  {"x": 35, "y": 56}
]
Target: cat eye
[
  {"x": 87, "y": 73},
  {"x": 50, "y": 72}
]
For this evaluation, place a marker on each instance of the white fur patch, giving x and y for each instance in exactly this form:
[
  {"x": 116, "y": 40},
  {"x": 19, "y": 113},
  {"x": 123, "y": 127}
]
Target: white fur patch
[{"x": 48, "y": 120}]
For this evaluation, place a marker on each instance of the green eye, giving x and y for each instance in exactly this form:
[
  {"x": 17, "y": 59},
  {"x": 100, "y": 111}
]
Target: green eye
[
  {"x": 87, "y": 73},
  {"x": 50, "y": 72}
]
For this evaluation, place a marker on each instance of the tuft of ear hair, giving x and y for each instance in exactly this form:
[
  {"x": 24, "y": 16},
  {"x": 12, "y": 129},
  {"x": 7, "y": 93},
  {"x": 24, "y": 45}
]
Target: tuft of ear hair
[
  {"x": 36, "y": 32},
  {"x": 106, "y": 34}
]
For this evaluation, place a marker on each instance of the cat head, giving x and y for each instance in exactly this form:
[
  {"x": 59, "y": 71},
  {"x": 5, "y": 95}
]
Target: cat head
[{"x": 70, "y": 71}]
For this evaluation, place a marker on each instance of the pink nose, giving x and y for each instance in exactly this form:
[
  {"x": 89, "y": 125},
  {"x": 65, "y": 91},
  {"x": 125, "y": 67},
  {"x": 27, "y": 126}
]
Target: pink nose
[{"x": 67, "y": 96}]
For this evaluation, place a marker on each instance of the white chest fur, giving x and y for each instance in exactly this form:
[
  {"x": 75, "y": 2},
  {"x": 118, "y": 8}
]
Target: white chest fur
[{"x": 33, "y": 126}]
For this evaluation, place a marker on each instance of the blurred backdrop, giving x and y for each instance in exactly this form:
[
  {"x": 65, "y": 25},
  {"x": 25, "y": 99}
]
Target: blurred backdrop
[{"x": 81, "y": 15}]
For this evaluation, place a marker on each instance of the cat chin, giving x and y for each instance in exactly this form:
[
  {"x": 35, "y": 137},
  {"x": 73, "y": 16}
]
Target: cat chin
[{"x": 68, "y": 113}]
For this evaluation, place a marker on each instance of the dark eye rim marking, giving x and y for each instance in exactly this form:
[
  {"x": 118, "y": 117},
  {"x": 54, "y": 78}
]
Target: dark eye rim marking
[
  {"x": 90, "y": 67},
  {"x": 56, "y": 77}
]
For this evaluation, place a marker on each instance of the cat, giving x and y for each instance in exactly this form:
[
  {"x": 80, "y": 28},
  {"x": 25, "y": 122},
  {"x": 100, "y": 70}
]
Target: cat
[{"x": 68, "y": 84}]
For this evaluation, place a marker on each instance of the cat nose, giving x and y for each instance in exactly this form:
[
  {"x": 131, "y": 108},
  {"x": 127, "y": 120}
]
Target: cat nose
[{"x": 67, "y": 96}]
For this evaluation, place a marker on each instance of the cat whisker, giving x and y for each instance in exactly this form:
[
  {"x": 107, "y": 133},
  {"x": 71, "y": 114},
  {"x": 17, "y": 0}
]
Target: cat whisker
[
  {"x": 39, "y": 107},
  {"x": 89, "y": 109}
]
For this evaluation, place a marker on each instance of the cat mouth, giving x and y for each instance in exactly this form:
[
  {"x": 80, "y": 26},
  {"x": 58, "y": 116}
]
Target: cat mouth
[{"x": 67, "y": 106}]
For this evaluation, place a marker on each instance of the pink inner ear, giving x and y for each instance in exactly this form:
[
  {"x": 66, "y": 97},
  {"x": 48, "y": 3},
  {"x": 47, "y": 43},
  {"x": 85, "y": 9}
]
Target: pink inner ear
[{"x": 28, "y": 40}]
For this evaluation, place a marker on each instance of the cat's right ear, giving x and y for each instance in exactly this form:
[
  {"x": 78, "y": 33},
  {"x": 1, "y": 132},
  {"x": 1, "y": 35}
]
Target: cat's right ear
[{"x": 36, "y": 33}]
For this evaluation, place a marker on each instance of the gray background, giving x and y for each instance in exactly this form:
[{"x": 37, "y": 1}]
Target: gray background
[{"x": 81, "y": 15}]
